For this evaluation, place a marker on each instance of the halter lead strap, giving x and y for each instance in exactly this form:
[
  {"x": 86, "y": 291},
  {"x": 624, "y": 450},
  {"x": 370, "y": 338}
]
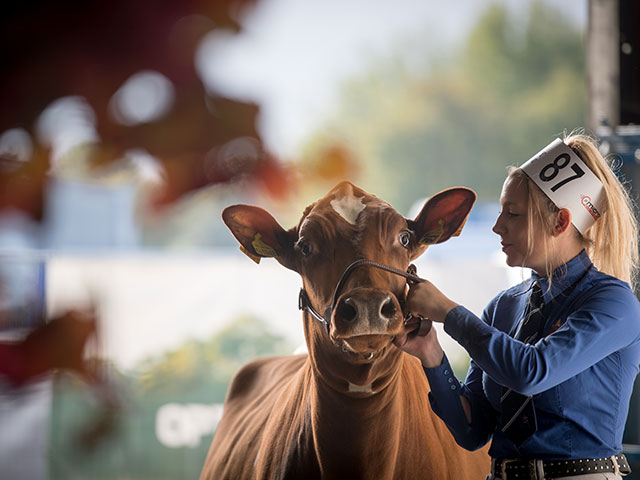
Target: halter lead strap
[{"x": 305, "y": 304}]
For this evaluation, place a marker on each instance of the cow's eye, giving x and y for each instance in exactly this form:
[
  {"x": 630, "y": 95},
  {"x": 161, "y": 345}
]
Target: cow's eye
[
  {"x": 405, "y": 239},
  {"x": 304, "y": 247}
]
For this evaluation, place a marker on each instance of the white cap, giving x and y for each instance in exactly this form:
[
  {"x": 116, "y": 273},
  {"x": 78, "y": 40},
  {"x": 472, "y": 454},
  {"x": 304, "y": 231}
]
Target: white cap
[{"x": 568, "y": 182}]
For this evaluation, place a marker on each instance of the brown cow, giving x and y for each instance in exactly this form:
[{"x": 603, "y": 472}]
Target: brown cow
[{"x": 356, "y": 406}]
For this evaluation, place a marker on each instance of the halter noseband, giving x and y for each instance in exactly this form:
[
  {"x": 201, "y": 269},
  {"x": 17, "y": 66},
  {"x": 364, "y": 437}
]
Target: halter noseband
[{"x": 305, "y": 304}]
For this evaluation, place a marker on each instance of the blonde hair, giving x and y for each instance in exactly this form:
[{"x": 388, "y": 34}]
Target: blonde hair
[{"x": 612, "y": 242}]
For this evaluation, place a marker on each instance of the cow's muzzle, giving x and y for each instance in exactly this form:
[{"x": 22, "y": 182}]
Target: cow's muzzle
[
  {"x": 366, "y": 311},
  {"x": 366, "y": 320},
  {"x": 350, "y": 307}
]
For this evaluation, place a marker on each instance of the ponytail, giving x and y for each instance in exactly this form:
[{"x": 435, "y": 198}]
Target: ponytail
[{"x": 612, "y": 242}]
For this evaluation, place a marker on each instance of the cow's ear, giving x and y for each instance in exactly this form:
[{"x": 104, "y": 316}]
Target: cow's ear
[
  {"x": 443, "y": 216},
  {"x": 259, "y": 234}
]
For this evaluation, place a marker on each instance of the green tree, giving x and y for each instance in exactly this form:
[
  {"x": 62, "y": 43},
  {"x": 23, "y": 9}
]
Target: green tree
[
  {"x": 504, "y": 94},
  {"x": 205, "y": 367}
]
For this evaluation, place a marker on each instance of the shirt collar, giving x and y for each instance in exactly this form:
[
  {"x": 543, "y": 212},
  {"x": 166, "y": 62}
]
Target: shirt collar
[{"x": 563, "y": 276}]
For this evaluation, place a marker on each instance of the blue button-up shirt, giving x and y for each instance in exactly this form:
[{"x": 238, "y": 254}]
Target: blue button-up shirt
[{"x": 580, "y": 374}]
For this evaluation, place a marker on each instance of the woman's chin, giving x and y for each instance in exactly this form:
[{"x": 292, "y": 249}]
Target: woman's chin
[{"x": 514, "y": 262}]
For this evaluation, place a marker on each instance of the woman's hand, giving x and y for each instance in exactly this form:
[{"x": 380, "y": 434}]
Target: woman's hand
[
  {"x": 425, "y": 300},
  {"x": 426, "y": 348}
]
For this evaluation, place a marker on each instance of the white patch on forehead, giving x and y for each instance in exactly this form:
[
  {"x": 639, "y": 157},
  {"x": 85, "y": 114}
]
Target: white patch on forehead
[
  {"x": 348, "y": 207},
  {"x": 360, "y": 388}
]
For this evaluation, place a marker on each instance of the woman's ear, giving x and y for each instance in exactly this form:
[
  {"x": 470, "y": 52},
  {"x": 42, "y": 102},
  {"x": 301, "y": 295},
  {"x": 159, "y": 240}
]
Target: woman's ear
[{"x": 563, "y": 221}]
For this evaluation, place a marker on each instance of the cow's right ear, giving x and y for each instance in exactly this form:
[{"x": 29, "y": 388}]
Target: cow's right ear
[
  {"x": 442, "y": 216},
  {"x": 259, "y": 234}
]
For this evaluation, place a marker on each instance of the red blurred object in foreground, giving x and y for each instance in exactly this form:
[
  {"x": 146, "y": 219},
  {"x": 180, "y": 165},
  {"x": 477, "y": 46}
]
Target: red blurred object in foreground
[
  {"x": 52, "y": 50},
  {"x": 58, "y": 344}
]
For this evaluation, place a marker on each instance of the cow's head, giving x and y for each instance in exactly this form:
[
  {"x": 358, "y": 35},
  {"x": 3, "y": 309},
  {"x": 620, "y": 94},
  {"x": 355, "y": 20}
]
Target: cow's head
[{"x": 346, "y": 225}]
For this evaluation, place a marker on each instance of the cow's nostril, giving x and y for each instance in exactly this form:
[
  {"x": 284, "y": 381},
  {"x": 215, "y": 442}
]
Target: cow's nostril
[
  {"x": 388, "y": 309},
  {"x": 346, "y": 311}
]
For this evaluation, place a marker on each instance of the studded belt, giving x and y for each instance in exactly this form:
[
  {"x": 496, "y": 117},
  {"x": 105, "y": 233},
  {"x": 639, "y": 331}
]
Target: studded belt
[{"x": 508, "y": 469}]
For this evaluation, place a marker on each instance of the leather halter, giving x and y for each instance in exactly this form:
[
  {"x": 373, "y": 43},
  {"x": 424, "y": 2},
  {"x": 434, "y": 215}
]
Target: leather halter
[{"x": 305, "y": 304}]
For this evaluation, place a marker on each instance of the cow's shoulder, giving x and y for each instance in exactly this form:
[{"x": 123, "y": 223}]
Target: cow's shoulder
[
  {"x": 263, "y": 376},
  {"x": 252, "y": 400}
]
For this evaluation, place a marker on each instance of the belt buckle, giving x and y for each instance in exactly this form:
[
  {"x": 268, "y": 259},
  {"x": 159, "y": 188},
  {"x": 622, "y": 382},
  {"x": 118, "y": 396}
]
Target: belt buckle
[
  {"x": 503, "y": 466},
  {"x": 535, "y": 469}
]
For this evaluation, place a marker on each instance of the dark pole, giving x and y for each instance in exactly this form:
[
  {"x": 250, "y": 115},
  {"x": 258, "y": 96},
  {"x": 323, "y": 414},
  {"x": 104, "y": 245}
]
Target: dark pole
[
  {"x": 613, "y": 78},
  {"x": 603, "y": 65}
]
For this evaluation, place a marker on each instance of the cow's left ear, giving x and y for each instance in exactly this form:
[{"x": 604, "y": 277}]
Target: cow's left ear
[
  {"x": 259, "y": 234},
  {"x": 443, "y": 216}
]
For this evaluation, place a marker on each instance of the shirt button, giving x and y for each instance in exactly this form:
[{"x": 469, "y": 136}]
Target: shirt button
[
  {"x": 453, "y": 387},
  {"x": 450, "y": 380},
  {"x": 446, "y": 372}
]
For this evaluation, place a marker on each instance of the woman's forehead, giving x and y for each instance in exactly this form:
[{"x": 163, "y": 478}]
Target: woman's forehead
[{"x": 514, "y": 190}]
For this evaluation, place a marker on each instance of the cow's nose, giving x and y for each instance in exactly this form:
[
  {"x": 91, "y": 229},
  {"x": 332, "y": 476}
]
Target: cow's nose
[
  {"x": 388, "y": 309},
  {"x": 347, "y": 310},
  {"x": 365, "y": 311}
]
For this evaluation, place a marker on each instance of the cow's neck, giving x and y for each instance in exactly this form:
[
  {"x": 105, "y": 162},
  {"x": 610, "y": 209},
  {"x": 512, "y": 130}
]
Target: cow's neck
[
  {"x": 349, "y": 429},
  {"x": 346, "y": 421},
  {"x": 334, "y": 371}
]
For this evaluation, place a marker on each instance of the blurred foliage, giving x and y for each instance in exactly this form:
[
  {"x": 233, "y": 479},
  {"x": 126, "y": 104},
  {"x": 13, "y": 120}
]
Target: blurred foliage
[
  {"x": 196, "y": 373},
  {"x": 504, "y": 94},
  {"x": 205, "y": 367}
]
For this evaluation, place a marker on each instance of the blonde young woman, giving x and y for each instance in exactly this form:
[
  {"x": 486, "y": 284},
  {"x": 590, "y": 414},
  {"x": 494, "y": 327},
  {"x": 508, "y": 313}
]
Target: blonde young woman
[{"x": 553, "y": 359}]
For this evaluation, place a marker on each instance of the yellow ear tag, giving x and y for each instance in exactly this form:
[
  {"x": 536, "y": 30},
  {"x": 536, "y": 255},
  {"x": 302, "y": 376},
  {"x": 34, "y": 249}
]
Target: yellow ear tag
[
  {"x": 262, "y": 248},
  {"x": 253, "y": 257},
  {"x": 433, "y": 236}
]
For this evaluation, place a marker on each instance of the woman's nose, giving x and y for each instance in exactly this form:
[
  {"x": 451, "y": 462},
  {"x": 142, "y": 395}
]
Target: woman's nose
[{"x": 497, "y": 227}]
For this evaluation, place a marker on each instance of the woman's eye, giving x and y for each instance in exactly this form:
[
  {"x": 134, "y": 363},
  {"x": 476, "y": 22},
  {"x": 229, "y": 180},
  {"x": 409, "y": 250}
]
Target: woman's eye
[
  {"x": 508, "y": 213},
  {"x": 405, "y": 239}
]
